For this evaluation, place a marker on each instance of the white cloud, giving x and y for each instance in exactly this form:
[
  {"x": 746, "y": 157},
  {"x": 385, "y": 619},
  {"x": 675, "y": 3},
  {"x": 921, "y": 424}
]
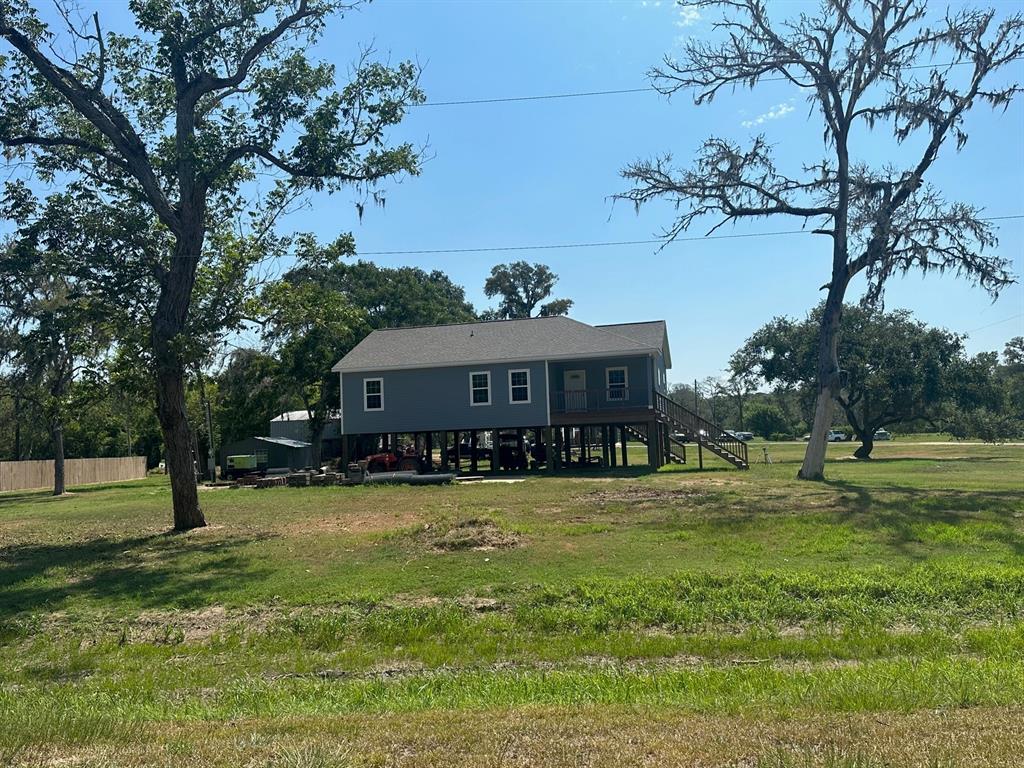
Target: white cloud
[
  {"x": 776, "y": 112},
  {"x": 688, "y": 16}
]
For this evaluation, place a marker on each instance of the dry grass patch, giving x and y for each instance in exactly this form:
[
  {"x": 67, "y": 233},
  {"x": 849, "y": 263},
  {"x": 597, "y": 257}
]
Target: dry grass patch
[
  {"x": 475, "y": 533},
  {"x": 584, "y": 738}
]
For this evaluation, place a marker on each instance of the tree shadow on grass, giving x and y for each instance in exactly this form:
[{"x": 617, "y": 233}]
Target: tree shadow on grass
[
  {"x": 161, "y": 570},
  {"x": 874, "y": 460},
  {"x": 900, "y": 511},
  {"x": 45, "y": 495}
]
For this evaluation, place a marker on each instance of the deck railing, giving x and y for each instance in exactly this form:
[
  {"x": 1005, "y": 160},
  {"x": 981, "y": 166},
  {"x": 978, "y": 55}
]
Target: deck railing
[{"x": 582, "y": 400}]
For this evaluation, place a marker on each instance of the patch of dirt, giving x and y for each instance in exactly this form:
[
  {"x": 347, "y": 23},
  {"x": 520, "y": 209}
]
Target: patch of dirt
[
  {"x": 194, "y": 626},
  {"x": 360, "y": 522},
  {"x": 481, "y": 604},
  {"x": 476, "y": 533},
  {"x": 641, "y": 494}
]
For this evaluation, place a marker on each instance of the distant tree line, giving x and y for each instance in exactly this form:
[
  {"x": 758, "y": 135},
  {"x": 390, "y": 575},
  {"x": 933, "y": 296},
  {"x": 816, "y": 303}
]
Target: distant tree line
[
  {"x": 73, "y": 377},
  {"x": 897, "y": 373}
]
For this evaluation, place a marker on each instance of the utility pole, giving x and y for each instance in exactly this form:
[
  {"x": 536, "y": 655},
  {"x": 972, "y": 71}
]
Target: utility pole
[{"x": 211, "y": 458}]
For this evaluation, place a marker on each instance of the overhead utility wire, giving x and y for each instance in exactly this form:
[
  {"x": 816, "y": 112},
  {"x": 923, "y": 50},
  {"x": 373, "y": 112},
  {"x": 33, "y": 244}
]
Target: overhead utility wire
[
  {"x": 997, "y": 322},
  {"x": 556, "y": 246},
  {"x": 618, "y": 91}
]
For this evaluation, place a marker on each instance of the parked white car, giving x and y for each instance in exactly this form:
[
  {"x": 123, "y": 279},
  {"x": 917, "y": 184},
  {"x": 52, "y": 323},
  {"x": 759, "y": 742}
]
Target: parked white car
[
  {"x": 836, "y": 436},
  {"x": 744, "y": 436},
  {"x": 883, "y": 434}
]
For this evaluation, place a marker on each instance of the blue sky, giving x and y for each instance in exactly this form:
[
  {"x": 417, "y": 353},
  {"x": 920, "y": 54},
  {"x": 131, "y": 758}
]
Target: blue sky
[{"x": 542, "y": 172}]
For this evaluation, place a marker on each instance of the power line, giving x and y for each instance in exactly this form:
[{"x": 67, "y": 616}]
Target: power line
[
  {"x": 620, "y": 91},
  {"x": 609, "y": 243},
  {"x": 997, "y": 322},
  {"x": 554, "y": 246}
]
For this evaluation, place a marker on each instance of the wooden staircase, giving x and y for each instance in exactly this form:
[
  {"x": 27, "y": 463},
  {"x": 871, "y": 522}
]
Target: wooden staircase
[
  {"x": 695, "y": 429},
  {"x": 677, "y": 450}
]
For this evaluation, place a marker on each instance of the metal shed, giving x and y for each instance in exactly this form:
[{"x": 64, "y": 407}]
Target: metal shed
[{"x": 279, "y": 452}]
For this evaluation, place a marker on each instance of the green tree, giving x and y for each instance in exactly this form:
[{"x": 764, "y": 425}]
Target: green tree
[
  {"x": 895, "y": 368},
  {"x": 991, "y": 399},
  {"x": 863, "y": 66},
  {"x": 308, "y": 328},
  {"x": 767, "y": 419},
  {"x": 1011, "y": 375},
  {"x": 738, "y": 387},
  {"x": 55, "y": 333},
  {"x": 522, "y": 287},
  {"x": 175, "y": 121},
  {"x": 250, "y": 393},
  {"x": 394, "y": 297}
]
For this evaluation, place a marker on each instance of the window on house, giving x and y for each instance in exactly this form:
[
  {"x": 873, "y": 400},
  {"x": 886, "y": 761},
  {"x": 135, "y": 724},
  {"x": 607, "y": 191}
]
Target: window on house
[
  {"x": 519, "y": 386},
  {"x": 373, "y": 394},
  {"x": 480, "y": 388},
  {"x": 618, "y": 383}
]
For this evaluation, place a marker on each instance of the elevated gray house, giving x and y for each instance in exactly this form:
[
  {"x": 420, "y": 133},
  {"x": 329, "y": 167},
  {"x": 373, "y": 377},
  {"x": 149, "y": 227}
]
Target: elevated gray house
[{"x": 556, "y": 377}]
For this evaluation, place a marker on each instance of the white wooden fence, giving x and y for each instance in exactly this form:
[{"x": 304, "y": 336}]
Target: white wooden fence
[{"x": 25, "y": 475}]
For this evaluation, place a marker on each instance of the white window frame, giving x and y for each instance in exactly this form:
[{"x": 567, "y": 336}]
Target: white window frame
[
  {"x": 366, "y": 394},
  {"x": 471, "y": 388},
  {"x": 608, "y": 383},
  {"x": 529, "y": 387}
]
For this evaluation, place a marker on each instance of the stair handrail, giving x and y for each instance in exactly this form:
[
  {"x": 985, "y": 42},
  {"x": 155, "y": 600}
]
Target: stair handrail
[{"x": 700, "y": 427}]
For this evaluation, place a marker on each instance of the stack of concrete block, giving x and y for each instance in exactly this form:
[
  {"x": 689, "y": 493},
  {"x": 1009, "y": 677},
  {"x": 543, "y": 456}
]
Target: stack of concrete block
[
  {"x": 328, "y": 478},
  {"x": 298, "y": 480}
]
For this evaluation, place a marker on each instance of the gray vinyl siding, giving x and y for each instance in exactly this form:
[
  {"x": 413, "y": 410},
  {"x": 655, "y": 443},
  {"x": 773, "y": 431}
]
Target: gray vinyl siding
[
  {"x": 639, "y": 378},
  {"x": 434, "y": 399},
  {"x": 660, "y": 375},
  {"x": 299, "y": 429}
]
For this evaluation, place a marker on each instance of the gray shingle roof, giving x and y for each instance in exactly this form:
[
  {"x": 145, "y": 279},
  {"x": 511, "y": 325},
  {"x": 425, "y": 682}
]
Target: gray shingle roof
[
  {"x": 539, "y": 338},
  {"x": 653, "y": 333}
]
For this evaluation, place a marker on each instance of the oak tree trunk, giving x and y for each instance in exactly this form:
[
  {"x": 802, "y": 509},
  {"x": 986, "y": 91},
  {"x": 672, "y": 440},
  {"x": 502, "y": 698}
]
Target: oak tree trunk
[
  {"x": 867, "y": 443},
  {"x": 168, "y": 324},
  {"x": 57, "y": 435},
  {"x": 813, "y": 467},
  {"x": 316, "y": 438}
]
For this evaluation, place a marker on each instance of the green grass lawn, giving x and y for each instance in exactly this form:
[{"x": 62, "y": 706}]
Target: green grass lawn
[{"x": 674, "y": 618}]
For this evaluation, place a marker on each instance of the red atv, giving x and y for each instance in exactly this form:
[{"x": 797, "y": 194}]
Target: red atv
[{"x": 408, "y": 461}]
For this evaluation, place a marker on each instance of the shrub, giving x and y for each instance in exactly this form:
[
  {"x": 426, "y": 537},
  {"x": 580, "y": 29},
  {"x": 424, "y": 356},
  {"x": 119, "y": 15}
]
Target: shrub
[{"x": 768, "y": 419}]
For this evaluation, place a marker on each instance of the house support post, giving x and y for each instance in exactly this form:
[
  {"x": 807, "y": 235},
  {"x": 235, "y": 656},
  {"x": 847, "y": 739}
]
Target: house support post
[
  {"x": 472, "y": 451},
  {"x": 700, "y": 455},
  {"x": 567, "y": 444},
  {"x": 653, "y": 445},
  {"x": 444, "y": 451},
  {"x": 430, "y": 451},
  {"x": 556, "y": 448},
  {"x": 612, "y": 451},
  {"x": 458, "y": 452},
  {"x": 665, "y": 443},
  {"x": 549, "y": 452},
  {"x": 622, "y": 434}
]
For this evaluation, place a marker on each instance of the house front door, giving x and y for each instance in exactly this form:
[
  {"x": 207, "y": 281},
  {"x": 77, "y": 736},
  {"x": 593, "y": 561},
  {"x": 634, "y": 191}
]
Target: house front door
[{"x": 575, "y": 390}]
